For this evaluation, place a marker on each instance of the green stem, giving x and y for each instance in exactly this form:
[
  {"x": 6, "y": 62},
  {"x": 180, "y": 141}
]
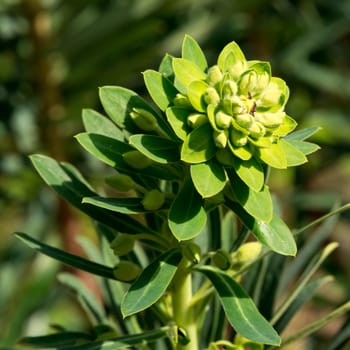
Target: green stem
[{"x": 183, "y": 313}]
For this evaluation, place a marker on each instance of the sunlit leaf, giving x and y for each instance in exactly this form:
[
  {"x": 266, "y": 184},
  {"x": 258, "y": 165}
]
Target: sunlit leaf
[{"x": 193, "y": 52}]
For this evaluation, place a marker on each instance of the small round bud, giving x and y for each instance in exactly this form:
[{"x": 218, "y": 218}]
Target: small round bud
[
  {"x": 222, "y": 259},
  {"x": 136, "y": 160},
  {"x": 246, "y": 253},
  {"x": 181, "y": 100},
  {"x": 122, "y": 244},
  {"x": 230, "y": 88},
  {"x": 236, "y": 69},
  {"x": 245, "y": 120},
  {"x": 121, "y": 182},
  {"x": 214, "y": 75},
  {"x": 195, "y": 120},
  {"x": 223, "y": 120},
  {"x": 247, "y": 82},
  {"x": 211, "y": 96},
  {"x": 192, "y": 252},
  {"x": 220, "y": 139},
  {"x": 144, "y": 119},
  {"x": 153, "y": 200},
  {"x": 256, "y": 130},
  {"x": 237, "y": 138},
  {"x": 126, "y": 271},
  {"x": 262, "y": 81},
  {"x": 270, "y": 120}
]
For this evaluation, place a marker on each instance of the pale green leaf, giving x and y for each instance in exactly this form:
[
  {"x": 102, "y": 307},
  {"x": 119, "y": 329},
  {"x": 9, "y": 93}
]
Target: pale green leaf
[
  {"x": 193, "y": 52},
  {"x": 294, "y": 156},
  {"x": 159, "y": 149},
  {"x": 177, "y": 118},
  {"x": 195, "y": 92},
  {"x": 199, "y": 145},
  {"x": 303, "y": 134},
  {"x": 186, "y": 71},
  {"x": 160, "y": 88},
  {"x": 240, "y": 309},
  {"x": 209, "y": 178},
  {"x": 187, "y": 216},
  {"x": 273, "y": 156},
  {"x": 232, "y": 55},
  {"x": 304, "y": 146},
  {"x": 152, "y": 283}
]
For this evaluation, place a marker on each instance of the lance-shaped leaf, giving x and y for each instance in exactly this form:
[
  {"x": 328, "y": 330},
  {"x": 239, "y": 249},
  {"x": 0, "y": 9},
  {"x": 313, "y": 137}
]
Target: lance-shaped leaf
[
  {"x": 256, "y": 203},
  {"x": 118, "y": 102},
  {"x": 67, "y": 258},
  {"x": 305, "y": 147},
  {"x": 302, "y": 134},
  {"x": 294, "y": 156},
  {"x": 157, "y": 148},
  {"x": 209, "y": 178},
  {"x": 199, "y": 145},
  {"x": 110, "y": 151},
  {"x": 68, "y": 182},
  {"x": 152, "y": 283},
  {"x": 99, "y": 124},
  {"x": 160, "y": 88},
  {"x": 187, "y": 216},
  {"x": 240, "y": 309},
  {"x": 275, "y": 235},
  {"x": 193, "y": 52}
]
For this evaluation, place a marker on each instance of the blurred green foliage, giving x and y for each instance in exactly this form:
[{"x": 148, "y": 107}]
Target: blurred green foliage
[{"x": 54, "y": 54}]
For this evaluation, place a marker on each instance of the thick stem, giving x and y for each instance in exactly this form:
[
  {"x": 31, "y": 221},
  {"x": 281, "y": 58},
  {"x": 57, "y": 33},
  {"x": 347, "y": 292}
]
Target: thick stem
[{"x": 183, "y": 312}]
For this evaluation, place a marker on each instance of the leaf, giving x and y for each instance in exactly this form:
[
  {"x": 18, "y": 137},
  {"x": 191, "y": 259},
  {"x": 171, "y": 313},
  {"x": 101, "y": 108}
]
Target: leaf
[
  {"x": 294, "y": 156},
  {"x": 195, "y": 92},
  {"x": 256, "y": 203},
  {"x": 273, "y": 156},
  {"x": 240, "y": 309},
  {"x": 193, "y": 52},
  {"x": 160, "y": 88},
  {"x": 67, "y": 258},
  {"x": 187, "y": 72},
  {"x": 177, "y": 118},
  {"x": 85, "y": 296},
  {"x": 250, "y": 172},
  {"x": 187, "y": 216},
  {"x": 99, "y": 124},
  {"x": 208, "y": 178},
  {"x": 305, "y": 147},
  {"x": 118, "y": 102},
  {"x": 68, "y": 183},
  {"x": 152, "y": 283},
  {"x": 166, "y": 67},
  {"x": 199, "y": 145},
  {"x": 302, "y": 134},
  {"x": 110, "y": 151},
  {"x": 275, "y": 235},
  {"x": 119, "y": 205},
  {"x": 157, "y": 148},
  {"x": 232, "y": 55}
]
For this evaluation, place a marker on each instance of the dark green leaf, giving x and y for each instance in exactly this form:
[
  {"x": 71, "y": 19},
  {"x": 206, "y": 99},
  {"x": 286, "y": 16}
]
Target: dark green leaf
[
  {"x": 160, "y": 88},
  {"x": 240, "y": 309},
  {"x": 157, "y": 148},
  {"x": 152, "y": 283},
  {"x": 187, "y": 216},
  {"x": 67, "y": 258}
]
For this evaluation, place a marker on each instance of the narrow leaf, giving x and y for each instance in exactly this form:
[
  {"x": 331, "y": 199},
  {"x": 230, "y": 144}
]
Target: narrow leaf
[
  {"x": 152, "y": 283},
  {"x": 208, "y": 178},
  {"x": 67, "y": 258},
  {"x": 160, "y": 88},
  {"x": 305, "y": 147},
  {"x": 193, "y": 52},
  {"x": 302, "y": 134},
  {"x": 240, "y": 309},
  {"x": 187, "y": 216},
  {"x": 157, "y": 148}
]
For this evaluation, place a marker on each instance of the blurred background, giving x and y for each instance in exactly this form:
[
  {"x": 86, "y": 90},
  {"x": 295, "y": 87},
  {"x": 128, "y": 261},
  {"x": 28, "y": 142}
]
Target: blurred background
[{"x": 54, "y": 55}]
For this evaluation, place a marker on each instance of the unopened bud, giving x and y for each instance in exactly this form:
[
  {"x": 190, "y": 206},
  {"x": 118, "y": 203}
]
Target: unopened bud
[
  {"x": 230, "y": 88},
  {"x": 195, "y": 120},
  {"x": 237, "y": 138},
  {"x": 122, "y": 244},
  {"x": 270, "y": 120},
  {"x": 222, "y": 259},
  {"x": 236, "y": 69},
  {"x": 121, "y": 182},
  {"x": 144, "y": 119},
  {"x": 211, "y": 96},
  {"x": 246, "y": 253},
  {"x": 192, "y": 252},
  {"x": 136, "y": 160},
  {"x": 153, "y": 200},
  {"x": 220, "y": 139},
  {"x": 182, "y": 101},
  {"x": 126, "y": 271},
  {"x": 214, "y": 75},
  {"x": 262, "y": 81},
  {"x": 256, "y": 130},
  {"x": 247, "y": 82},
  {"x": 223, "y": 120},
  {"x": 245, "y": 120}
]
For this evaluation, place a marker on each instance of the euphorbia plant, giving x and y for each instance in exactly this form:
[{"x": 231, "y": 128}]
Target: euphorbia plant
[{"x": 192, "y": 170}]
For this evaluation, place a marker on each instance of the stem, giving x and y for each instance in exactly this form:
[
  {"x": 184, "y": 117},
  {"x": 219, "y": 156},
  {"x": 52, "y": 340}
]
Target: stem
[{"x": 183, "y": 313}]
